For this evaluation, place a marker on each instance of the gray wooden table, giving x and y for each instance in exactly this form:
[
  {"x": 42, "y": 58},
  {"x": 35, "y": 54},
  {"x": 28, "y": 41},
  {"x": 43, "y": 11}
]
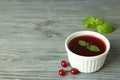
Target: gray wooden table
[{"x": 32, "y": 35}]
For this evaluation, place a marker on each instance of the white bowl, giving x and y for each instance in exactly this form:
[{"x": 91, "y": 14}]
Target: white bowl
[{"x": 87, "y": 64}]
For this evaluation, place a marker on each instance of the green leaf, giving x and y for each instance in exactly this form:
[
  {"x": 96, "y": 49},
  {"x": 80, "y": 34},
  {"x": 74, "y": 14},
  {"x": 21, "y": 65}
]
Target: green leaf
[
  {"x": 91, "y": 25},
  {"x": 91, "y": 22},
  {"x": 88, "y": 46},
  {"x": 82, "y": 43},
  {"x": 93, "y": 48},
  {"x": 97, "y": 23},
  {"x": 105, "y": 28},
  {"x": 88, "y": 20}
]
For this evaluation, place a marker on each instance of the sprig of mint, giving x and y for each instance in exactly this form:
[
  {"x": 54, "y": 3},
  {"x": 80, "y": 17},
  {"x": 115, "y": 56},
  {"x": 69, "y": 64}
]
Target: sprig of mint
[
  {"x": 93, "y": 48},
  {"x": 103, "y": 27}
]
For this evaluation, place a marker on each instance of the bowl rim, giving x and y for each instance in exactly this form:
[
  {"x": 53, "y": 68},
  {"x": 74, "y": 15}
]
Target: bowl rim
[{"x": 96, "y": 34}]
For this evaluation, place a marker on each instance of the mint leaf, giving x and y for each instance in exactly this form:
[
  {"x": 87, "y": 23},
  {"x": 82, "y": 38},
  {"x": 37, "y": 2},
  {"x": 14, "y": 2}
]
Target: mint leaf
[
  {"x": 93, "y": 48},
  {"x": 89, "y": 22},
  {"x": 97, "y": 23},
  {"x": 105, "y": 28},
  {"x": 88, "y": 46},
  {"x": 82, "y": 43},
  {"x": 91, "y": 25}
]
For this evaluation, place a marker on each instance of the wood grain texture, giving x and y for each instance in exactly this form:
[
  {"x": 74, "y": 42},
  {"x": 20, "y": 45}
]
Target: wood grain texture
[{"x": 32, "y": 35}]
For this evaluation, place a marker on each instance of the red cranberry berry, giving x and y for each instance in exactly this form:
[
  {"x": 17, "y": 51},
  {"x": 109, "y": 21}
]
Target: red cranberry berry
[
  {"x": 74, "y": 71},
  {"x": 62, "y": 72},
  {"x": 64, "y": 63}
]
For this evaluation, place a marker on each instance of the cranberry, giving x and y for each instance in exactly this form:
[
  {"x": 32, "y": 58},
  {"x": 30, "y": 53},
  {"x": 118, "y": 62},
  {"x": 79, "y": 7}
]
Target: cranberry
[
  {"x": 62, "y": 72},
  {"x": 64, "y": 63},
  {"x": 74, "y": 71}
]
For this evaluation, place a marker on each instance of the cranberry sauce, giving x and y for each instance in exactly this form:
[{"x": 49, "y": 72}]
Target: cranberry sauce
[{"x": 81, "y": 50}]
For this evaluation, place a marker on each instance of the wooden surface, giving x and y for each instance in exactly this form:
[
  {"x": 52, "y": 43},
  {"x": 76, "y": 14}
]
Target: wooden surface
[{"x": 32, "y": 35}]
